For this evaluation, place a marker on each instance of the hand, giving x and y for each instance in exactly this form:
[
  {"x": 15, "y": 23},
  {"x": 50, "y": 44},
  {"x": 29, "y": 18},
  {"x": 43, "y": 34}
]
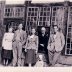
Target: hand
[
  {"x": 25, "y": 50},
  {"x": 36, "y": 51},
  {"x": 42, "y": 45}
]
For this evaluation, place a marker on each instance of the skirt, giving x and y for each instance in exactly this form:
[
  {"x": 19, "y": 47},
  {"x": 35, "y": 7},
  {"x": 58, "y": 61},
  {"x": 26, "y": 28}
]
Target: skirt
[
  {"x": 30, "y": 56},
  {"x": 7, "y": 54}
]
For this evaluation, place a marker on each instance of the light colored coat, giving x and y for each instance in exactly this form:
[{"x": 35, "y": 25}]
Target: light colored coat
[
  {"x": 57, "y": 43},
  {"x": 22, "y": 38},
  {"x": 7, "y": 41}
]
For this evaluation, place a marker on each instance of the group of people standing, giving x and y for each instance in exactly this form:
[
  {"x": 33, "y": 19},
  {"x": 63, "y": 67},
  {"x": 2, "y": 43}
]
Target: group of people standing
[{"x": 45, "y": 48}]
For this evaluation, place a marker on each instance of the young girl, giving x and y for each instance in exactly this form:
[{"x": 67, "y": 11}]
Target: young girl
[
  {"x": 32, "y": 48},
  {"x": 7, "y": 47}
]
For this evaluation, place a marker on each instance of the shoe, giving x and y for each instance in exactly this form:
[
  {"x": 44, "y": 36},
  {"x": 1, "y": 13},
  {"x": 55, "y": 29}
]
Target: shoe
[{"x": 49, "y": 64}]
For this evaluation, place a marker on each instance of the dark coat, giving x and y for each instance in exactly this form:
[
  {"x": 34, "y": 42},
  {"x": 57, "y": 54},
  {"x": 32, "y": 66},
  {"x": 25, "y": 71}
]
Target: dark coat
[{"x": 43, "y": 40}]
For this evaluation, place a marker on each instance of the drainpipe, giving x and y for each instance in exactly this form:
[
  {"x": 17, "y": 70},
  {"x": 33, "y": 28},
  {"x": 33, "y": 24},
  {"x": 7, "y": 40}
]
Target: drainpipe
[
  {"x": 27, "y": 3},
  {"x": 66, "y": 5}
]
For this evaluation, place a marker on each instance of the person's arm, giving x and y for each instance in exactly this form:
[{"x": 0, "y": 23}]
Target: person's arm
[
  {"x": 26, "y": 44},
  {"x": 37, "y": 42},
  {"x": 3, "y": 40},
  {"x": 50, "y": 45},
  {"x": 46, "y": 42},
  {"x": 62, "y": 41},
  {"x": 14, "y": 36},
  {"x": 24, "y": 37}
]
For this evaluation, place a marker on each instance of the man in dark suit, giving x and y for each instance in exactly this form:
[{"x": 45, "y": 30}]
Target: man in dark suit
[{"x": 43, "y": 41}]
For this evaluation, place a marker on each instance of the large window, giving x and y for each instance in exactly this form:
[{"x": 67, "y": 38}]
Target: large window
[
  {"x": 37, "y": 16},
  {"x": 9, "y": 12},
  {"x": 32, "y": 18},
  {"x": 14, "y": 12},
  {"x": 44, "y": 16},
  {"x": 68, "y": 48},
  {"x": 19, "y": 12}
]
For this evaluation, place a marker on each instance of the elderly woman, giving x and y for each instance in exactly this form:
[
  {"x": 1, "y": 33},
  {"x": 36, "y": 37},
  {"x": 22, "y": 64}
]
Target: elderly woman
[
  {"x": 7, "y": 46},
  {"x": 32, "y": 48}
]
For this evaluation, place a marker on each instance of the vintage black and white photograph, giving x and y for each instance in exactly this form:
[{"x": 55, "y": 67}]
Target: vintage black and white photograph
[{"x": 35, "y": 33}]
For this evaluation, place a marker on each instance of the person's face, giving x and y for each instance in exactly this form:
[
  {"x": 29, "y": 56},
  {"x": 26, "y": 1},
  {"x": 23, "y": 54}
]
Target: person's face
[
  {"x": 55, "y": 29},
  {"x": 20, "y": 26},
  {"x": 10, "y": 30},
  {"x": 43, "y": 31},
  {"x": 33, "y": 31}
]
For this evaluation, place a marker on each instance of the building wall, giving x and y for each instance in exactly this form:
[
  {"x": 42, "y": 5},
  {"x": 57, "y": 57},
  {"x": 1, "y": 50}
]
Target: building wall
[{"x": 2, "y": 27}]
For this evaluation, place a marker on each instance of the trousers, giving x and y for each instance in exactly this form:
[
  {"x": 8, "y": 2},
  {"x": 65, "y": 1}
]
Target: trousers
[
  {"x": 53, "y": 57},
  {"x": 17, "y": 53}
]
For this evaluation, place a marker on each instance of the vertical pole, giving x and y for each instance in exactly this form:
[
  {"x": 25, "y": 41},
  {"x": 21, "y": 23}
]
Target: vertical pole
[
  {"x": 27, "y": 3},
  {"x": 66, "y": 5}
]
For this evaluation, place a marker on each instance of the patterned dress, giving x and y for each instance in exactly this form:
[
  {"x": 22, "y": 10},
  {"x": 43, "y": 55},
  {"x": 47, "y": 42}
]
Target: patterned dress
[{"x": 32, "y": 47}]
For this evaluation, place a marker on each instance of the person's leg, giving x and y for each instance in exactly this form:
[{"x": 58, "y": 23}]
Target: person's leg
[
  {"x": 19, "y": 53},
  {"x": 55, "y": 58},
  {"x": 29, "y": 64},
  {"x": 4, "y": 63},
  {"x": 23, "y": 57},
  {"x": 50, "y": 54},
  {"x": 14, "y": 55},
  {"x": 7, "y": 61}
]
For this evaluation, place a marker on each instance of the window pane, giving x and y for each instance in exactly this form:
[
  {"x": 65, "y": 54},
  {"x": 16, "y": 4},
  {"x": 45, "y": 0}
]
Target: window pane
[
  {"x": 47, "y": 18},
  {"x": 32, "y": 9},
  {"x": 44, "y": 13},
  {"x": 67, "y": 51},
  {"x": 48, "y": 13},
  {"x": 35, "y": 13},
  {"x": 69, "y": 35},
  {"x": 71, "y": 45},
  {"x": 54, "y": 13},
  {"x": 48, "y": 9},
  {"x": 29, "y": 9},
  {"x": 68, "y": 45},
  {"x": 8, "y": 10},
  {"x": 41, "y": 14},
  {"x": 68, "y": 40},
  {"x": 71, "y": 52},
  {"x": 69, "y": 29},
  {"x": 44, "y": 18},
  {"x": 35, "y": 9},
  {"x": 54, "y": 9},
  {"x": 5, "y": 10},
  {"x": 40, "y": 18},
  {"x": 53, "y": 23},
  {"x": 53, "y": 18}
]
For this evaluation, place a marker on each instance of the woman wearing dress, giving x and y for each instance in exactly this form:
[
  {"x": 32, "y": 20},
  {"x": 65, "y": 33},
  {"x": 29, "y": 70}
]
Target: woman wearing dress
[
  {"x": 7, "y": 47},
  {"x": 31, "y": 48}
]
